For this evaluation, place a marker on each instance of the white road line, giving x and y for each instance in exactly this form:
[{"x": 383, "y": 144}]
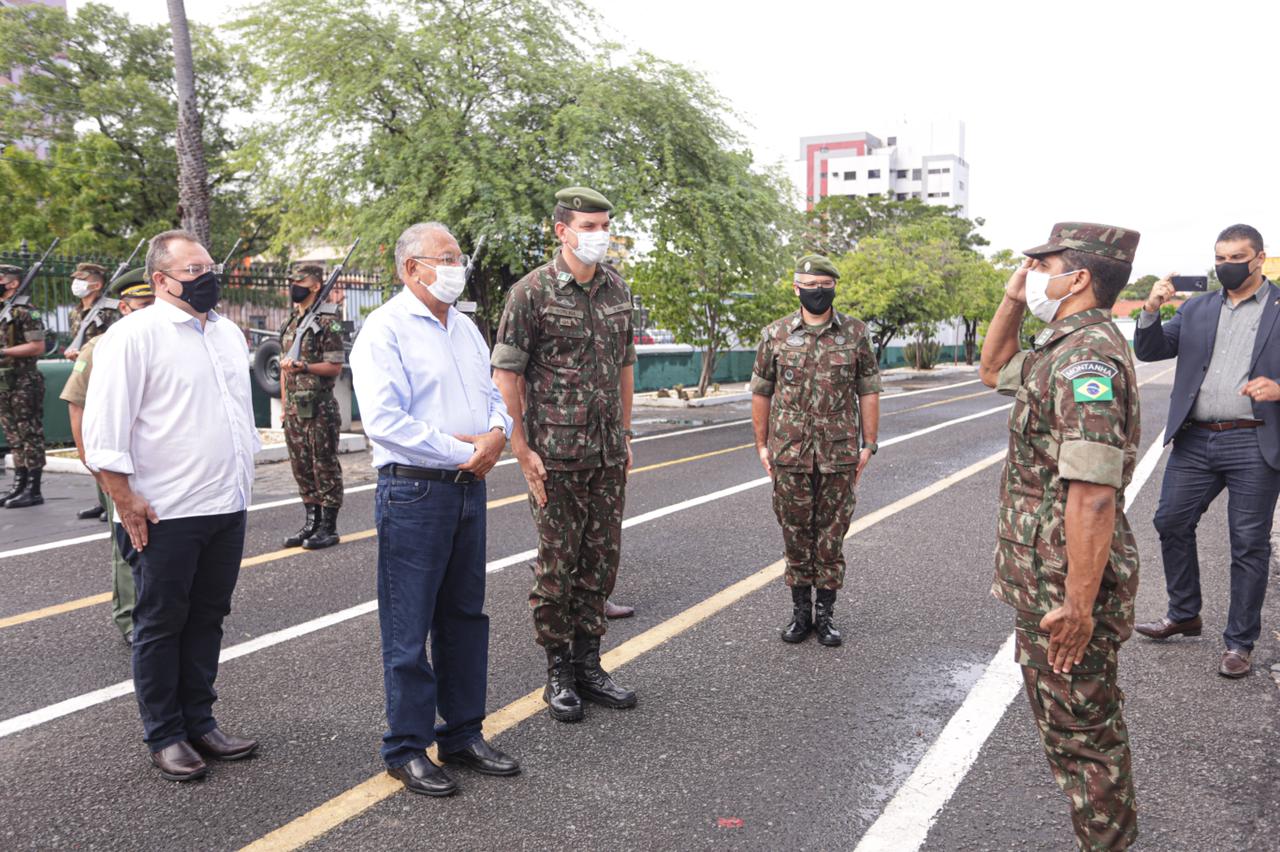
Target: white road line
[
  {"x": 905, "y": 822},
  {"x": 38, "y": 717},
  {"x": 885, "y": 397}
]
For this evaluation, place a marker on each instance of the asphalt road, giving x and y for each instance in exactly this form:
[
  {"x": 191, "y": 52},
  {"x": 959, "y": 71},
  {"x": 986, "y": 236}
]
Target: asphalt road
[{"x": 739, "y": 741}]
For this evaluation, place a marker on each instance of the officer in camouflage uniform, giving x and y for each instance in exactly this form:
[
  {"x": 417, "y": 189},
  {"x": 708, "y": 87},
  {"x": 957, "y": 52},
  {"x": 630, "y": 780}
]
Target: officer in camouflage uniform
[
  {"x": 89, "y": 279},
  {"x": 564, "y": 361},
  {"x": 1072, "y": 449},
  {"x": 311, "y": 416},
  {"x": 815, "y": 407},
  {"x": 22, "y": 395}
]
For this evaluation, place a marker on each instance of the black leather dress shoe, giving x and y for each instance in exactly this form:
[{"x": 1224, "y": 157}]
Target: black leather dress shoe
[
  {"x": 422, "y": 776},
  {"x": 179, "y": 762},
  {"x": 483, "y": 758},
  {"x": 222, "y": 746}
]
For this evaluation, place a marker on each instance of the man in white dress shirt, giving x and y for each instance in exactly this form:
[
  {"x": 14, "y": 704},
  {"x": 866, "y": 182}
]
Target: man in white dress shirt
[
  {"x": 169, "y": 425},
  {"x": 438, "y": 425}
]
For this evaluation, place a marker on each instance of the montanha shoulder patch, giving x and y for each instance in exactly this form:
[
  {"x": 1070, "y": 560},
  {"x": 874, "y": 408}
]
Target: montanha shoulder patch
[{"x": 1088, "y": 368}]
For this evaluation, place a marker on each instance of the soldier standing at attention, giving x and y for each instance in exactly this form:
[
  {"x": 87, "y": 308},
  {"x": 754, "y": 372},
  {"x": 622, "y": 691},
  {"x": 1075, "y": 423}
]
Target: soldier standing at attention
[
  {"x": 311, "y": 416},
  {"x": 1066, "y": 559},
  {"x": 563, "y": 361},
  {"x": 815, "y": 389},
  {"x": 22, "y": 395},
  {"x": 86, "y": 285}
]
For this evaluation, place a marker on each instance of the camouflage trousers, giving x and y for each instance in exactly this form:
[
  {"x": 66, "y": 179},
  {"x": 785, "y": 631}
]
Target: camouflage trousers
[
  {"x": 22, "y": 414},
  {"x": 313, "y": 451},
  {"x": 814, "y": 510},
  {"x": 1084, "y": 735},
  {"x": 579, "y": 546}
]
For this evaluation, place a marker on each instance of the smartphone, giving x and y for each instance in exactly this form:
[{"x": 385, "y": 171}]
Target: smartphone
[{"x": 1187, "y": 283}]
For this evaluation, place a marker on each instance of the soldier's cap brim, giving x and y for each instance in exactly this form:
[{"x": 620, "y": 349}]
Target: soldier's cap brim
[{"x": 1042, "y": 250}]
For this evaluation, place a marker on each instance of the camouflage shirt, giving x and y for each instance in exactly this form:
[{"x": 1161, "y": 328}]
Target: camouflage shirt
[
  {"x": 570, "y": 342},
  {"x": 1076, "y": 417},
  {"x": 23, "y": 327},
  {"x": 814, "y": 377},
  {"x": 324, "y": 346},
  {"x": 105, "y": 318}
]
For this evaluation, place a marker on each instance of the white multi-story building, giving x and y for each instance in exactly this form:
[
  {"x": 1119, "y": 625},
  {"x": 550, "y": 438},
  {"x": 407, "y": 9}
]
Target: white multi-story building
[{"x": 924, "y": 161}]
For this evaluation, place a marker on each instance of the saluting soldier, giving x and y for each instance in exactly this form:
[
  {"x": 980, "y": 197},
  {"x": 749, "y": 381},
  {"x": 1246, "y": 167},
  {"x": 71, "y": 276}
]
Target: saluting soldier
[
  {"x": 87, "y": 284},
  {"x": 312, "y": 419},
  {"x": 563, "y": 361},
  {"x": 1065, "y": 557},
  {"x": 22, "y": 395},
  {"x": 135, "y": 293},
  {"x": 815, "y": 409}
]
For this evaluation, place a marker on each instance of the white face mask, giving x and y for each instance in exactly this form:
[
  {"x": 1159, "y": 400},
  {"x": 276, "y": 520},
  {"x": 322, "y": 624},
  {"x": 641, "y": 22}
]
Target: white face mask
[
  {"x": 450, "y": 282},
  {"x": 79, "y": 287},
  {"x": 592, "y": 246},
  {"x": 1044, "y": 308}
]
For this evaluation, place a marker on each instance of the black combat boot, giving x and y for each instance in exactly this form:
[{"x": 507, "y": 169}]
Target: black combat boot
[
  {"x": 30, "y": 495},
  {"x": 91, "y": 513},
  {"x": 19, "y": 485},
  {"x": 308, "y": 526},
  {"x": 801, "y": 616},
  {"x": 827, "y": 633},
  {"x": 594, "y": 683},
  {"x": 562, "y": 699},
  {"x": 326, "y": 534}
]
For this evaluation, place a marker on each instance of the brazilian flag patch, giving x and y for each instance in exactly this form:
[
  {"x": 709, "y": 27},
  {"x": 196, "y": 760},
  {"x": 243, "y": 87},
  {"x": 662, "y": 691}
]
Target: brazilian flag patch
[{"x": 1092, "y": 389}]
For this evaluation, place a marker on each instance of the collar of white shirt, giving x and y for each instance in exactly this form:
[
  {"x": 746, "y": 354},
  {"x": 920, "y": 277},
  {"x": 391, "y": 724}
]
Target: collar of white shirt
[
  {"x": 414, "y": 305},
  {"x": 176, "y": 314}
]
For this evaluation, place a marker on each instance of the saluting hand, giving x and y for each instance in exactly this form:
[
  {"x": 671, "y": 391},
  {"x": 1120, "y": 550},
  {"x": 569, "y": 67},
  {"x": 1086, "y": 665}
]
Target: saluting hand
[
  {"x": 135, "y": 512},
  {"x": 1069, "y": 633},
  {"x": 1016, "y": 287},
  {"x": 535, "y": 473},
  {"x": 1262, "y": 389}
]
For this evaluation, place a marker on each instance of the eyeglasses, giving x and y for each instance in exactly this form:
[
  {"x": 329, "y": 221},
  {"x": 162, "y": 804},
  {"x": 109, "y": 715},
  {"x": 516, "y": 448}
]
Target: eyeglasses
[
  {"x": 196, "y": 269},
  {"x": 447, "y": 259},
  {"x": 815, "y": 285}
]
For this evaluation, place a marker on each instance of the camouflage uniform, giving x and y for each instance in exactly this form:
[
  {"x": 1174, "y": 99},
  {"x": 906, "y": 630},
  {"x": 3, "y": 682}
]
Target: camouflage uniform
[
  {"x": 814, "y": 376},
  {"x": 105, "y": 318},
  {"x": 312, "y": 419},
  {"x": 22, "y": 391},
  {"x": 570, "y": 342},
  {"x": 1076, "y": 418}
]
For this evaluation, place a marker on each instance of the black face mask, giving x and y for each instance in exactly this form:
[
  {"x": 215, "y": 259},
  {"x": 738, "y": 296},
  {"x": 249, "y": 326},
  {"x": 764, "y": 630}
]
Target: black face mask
[
  {"x": 1233, "y": 275},
  {"x": 202, "y": 293},
  {"x": 817, "y": 300},
  {"x": 299, "y": 293}
]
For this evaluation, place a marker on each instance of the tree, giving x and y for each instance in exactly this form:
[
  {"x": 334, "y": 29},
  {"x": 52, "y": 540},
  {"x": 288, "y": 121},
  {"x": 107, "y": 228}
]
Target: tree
[
  {"x": 979, "y": 292},
  {"x": 193, "y": 175},
  {"x": 100, "y": 90},
  {"x": 1139, "y": 288},
  {"x": 836, "y": 223}
]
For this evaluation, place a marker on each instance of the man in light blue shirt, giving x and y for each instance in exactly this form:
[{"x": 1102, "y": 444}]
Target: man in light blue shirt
[{"x": 438, "y": 425}]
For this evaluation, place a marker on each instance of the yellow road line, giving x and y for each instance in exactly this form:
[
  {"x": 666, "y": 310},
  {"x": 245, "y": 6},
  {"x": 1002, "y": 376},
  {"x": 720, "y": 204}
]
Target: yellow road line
[
  {"x": 56, "y": 609},
  {"x": 358, "y": 799}
]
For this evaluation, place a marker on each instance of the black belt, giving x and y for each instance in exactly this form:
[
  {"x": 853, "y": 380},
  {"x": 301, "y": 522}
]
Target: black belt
[{"x": 431, "y": 473}]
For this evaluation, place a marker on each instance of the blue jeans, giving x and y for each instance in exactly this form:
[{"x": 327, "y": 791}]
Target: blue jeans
[
  {"x": 431, "y": 538},
  {"x": 1201, "y": 465}
]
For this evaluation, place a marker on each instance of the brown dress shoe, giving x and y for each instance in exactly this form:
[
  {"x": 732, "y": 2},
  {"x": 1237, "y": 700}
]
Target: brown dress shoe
[
  {"x": 1235, "y": 663},
  {"x": 1164, "y": 628},
  {"x": 613, "y": 610},
  {"x": 222, "y": 746},
  {"x": 179, "y": 762}
]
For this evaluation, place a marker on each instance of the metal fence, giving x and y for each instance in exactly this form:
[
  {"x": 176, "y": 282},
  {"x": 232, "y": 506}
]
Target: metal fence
[{"x": 255, "y": 296}]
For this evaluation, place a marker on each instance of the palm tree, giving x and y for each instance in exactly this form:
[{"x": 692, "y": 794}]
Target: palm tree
[{"x": 193, "y": 175}]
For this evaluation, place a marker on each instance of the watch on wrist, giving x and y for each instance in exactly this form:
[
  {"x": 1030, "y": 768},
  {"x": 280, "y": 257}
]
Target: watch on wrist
[
  {"x": 870, "y": 445},
  {"x": 306, "y": 368}
]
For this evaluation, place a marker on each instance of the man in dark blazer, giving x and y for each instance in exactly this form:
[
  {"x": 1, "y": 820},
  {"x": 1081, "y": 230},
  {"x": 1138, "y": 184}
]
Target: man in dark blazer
[{"x": 1224, "y": 422}]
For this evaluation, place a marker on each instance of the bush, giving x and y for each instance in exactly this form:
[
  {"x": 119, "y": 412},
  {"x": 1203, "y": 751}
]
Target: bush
[{"x": 922, "y": 355}]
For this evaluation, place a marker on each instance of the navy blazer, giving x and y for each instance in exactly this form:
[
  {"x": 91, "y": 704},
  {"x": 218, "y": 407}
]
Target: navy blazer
[{"x": 1189, "y": 337}]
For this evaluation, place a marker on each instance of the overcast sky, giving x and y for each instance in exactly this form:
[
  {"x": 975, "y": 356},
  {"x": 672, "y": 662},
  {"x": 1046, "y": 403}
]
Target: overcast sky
[{"x": 1129, "y": 113}]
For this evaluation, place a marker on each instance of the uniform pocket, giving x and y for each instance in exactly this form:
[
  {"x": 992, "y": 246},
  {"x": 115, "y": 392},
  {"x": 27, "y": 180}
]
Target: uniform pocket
[
  {"x": 842, "y": 448},
  {"x": 562, "y": 433}
]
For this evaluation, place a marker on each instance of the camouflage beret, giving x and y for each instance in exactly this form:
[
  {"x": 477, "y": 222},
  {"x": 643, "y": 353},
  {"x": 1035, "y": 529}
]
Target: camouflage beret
[
  {"x": 583, "y": 200},
  {"x": 133, "y": 284},
  {"x": 1104, "y": 240},
  {"x": 85, "y": 269},
  {"x": 307, "y": 270},
  {"x": 8, "y": 271},
  {"x": 816, "y": 264}
]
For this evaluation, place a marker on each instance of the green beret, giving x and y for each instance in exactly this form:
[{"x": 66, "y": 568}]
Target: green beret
[
  {"x": 583, "y": 200},
  {"x": 816, "y": 264},
  {"x": 133, "y": 283}
]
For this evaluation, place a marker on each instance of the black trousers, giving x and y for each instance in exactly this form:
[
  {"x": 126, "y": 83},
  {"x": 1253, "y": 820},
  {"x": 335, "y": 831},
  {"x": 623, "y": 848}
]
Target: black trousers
[{"x": 184, "y": 578}]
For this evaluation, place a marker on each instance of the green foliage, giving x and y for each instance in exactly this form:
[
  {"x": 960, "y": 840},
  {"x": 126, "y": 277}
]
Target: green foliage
[
  {"x": 1167, "y": 310},
  {"x": 837, "y": 223},
  {"x": 1139, "y": 288},
  {"x": 922, "y": 354},
  {"x": 100, "y": 89}
]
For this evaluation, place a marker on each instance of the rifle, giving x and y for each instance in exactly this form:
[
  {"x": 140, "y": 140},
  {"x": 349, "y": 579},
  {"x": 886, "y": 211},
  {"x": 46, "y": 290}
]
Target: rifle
[
  {"x": 20, "y": 296},
  {"x": 103, "y": 302},
  {"x": 231, "y": 253},
  {"x": 310, "y": 318}
]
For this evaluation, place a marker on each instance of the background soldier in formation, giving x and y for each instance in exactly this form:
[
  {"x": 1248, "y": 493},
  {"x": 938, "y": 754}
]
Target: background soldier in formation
[
  {"x": 815, "y": 388},
  {"x": 87, "y": 283},
  {"x": 22, "y": 395},
  {"x": 1066, "y": 559},
  {"x": 135, "y": 293},
  {"x": 311, "y": 416},
  {"x": 564, "y": 361}
]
